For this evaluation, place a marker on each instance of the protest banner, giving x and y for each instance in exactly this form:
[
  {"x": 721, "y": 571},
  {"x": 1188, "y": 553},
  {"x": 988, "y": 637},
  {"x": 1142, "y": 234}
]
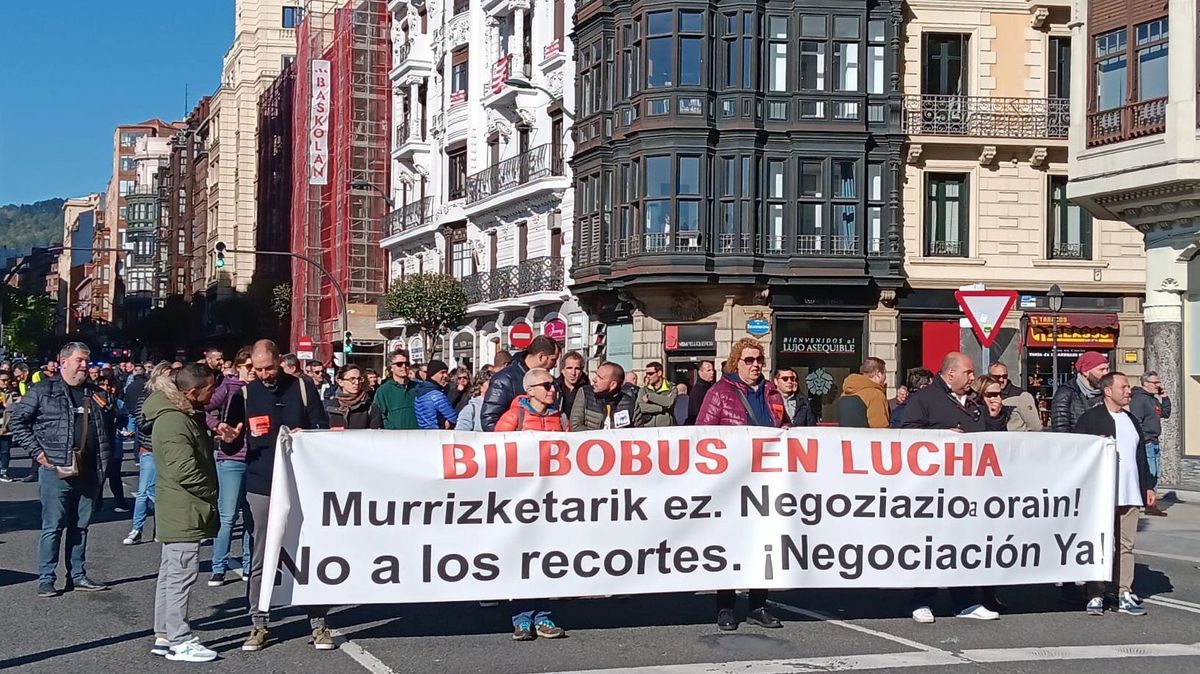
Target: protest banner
[{"x": 361, "y": 517}]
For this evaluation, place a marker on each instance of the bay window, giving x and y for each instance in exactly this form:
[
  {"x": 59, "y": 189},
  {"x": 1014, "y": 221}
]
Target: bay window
[
  {"x": 738, "y": 50},
  {"x": 777, "y": 53},
  {"x": 1128, "y": 87},
  {"x": 674, "y": 48}
]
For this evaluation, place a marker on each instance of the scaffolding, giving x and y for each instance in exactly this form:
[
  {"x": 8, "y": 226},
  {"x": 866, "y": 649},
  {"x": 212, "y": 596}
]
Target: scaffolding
[{"x": 335, "y": 223}]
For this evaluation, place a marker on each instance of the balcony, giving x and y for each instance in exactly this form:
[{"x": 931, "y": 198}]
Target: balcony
[
  {"x": 411, "y": 138},
  {"x": 987, "y": 117},
  {"x": 385, "y": 317},
  {"x": 496, "y": 92},
  {"x": 413, "y": 58},
  {"x": 536, "y": 281},
  {"x": 408, "y": 219},
  {"x": 520, "y": 177},
  {"x": 802, "y": 245},
  {"x": 1135, "y": 120}
]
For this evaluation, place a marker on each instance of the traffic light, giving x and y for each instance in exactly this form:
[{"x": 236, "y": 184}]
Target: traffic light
[
  {"x": 348, "y": 343},
  {"x": 219, "y": 249}
]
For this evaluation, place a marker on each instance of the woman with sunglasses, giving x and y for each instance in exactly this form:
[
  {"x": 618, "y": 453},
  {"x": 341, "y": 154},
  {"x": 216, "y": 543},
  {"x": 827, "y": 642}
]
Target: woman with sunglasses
[
  {"x": 743, "y": 397},
  {"x": 351, "y": 408},
  {"x": 997, "y": 415}
]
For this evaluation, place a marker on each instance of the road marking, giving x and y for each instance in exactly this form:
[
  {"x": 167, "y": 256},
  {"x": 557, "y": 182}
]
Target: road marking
[
  {"x": 361, "y": 655},
  {"x": 1164, "y": 555},
  {"x": 889, "y": 661},
  {"x": 858, "y": 628},
  {"x": 1173, "y": 603}
]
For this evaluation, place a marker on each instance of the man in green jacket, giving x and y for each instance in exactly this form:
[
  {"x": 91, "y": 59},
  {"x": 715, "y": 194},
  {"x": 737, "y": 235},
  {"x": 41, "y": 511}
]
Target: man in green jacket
[
  {"x": 656, "y": 400},
  {"x": 186, "y": 503},
  {"x": 396, "y": 397}
]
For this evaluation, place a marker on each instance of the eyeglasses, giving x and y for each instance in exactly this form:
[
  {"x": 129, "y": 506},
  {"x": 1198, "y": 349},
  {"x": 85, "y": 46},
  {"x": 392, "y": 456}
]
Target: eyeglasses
[
  {"x": 992, "y": 394},
  {"x": 353, "y": 380},
  {"x": 1156, "y": 383},
  {"x": 399, "y": 363},
  {"x": 545, "y": 385},
  {"x": 752, "y": 360},
  {"x": 464, "y": 379}
]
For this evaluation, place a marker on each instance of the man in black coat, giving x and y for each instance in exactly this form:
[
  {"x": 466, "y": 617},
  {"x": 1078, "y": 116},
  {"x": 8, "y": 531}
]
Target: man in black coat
[
  {"x": 1134, "y": 487},
  {"x": 706, "y": 376},
  {"x": 946, "y": 404},
  {"x": 1079, "y": 395},
  {"x": 509, "y": 383}
]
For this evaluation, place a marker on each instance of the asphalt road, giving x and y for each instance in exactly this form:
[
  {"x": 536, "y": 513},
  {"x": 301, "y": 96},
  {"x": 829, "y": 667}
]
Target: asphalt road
[{"x": 651, "y": 634}]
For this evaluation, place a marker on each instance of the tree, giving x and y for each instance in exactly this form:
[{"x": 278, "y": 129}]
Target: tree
[
  {"x": 432, "y": 302},
  {"x": 28, "y": 323},
  {"x": 281, "y": 300}
]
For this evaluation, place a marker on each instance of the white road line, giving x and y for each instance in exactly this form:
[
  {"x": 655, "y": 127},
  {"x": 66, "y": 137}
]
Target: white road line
[
  {"x": 361, "y": 655},
  {"x": 859, "y": 628},
  {"x": 1180, "y": 606},
  {"x": 1164, "y": 555},
  {"x": 982, "y": 655}
]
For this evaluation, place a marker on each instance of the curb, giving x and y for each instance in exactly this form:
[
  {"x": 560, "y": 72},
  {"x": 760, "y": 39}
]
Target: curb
[{"x": 1180, "y": 495}]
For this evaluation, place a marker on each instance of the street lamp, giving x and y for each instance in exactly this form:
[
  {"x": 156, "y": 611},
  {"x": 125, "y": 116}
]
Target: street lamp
[
  {"x": 525, "y": 85},
  {"x": 1055, "y": 299},
  {"x": 368, "y": 185}
]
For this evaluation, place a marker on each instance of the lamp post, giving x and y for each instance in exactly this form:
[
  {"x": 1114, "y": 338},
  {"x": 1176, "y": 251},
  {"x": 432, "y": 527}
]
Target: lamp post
[
  {"x": 1055, "y": 299},
  {"x": 368, "y": 185},
  {"x": 525, "y": 85}
]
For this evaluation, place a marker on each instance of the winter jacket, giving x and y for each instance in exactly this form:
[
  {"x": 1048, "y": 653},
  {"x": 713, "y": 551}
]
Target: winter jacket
[
  {"x": 43, "y": 422},
  {"x": 361, "y": 416},
  {"x": 696, "y": 399},
  {"x": 395, "y": 403},
  {"x": 1069, "y": 403},
  {"x": 998, "y": 423},
  {"x": 935, "y": 407},
  {"x": 724, "y": 407},
  {"x": 522, "y": 417},
  {"x": 592, "y": 411},
  {"x": 236, "y": 450},
  {"x": 1024, "y": 406},
  {"x": 468, "y": 418},
  {"x": 1098, "y": 421},
  {"x": 141, "y": 427},
  {"x": 457, "y": 397},
  {"x": 863, "y": 403},
  {"x": 803, "y": 414},
  {"x": 504, "y": 387},
  {"x": 432, "y": 407},
  {"x": 185, "y": 506},
  {"x": 656, "y": 407},
  {"x": 566, "y": 395},
  {"x": 271, "y": 409},
  {"x": 7, "y": 400},
  {"x": 1149, "y": 410},
  {"x": 896, "y": 416}
]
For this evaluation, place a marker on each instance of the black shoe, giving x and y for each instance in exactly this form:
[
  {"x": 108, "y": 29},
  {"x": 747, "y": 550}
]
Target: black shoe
[
  {"x": 46, "y": 589},
  {"x": 763, "y": 618},
  {"x": 216, "y": 580},
  {"x": 1155, "y": 511},
  {"x": 86, "y": 584},
  {"x": 726, "y": 622}
]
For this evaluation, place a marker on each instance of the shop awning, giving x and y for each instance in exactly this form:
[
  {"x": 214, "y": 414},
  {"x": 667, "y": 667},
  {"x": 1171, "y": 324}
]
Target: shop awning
[{"x": 1076, "y": 320}]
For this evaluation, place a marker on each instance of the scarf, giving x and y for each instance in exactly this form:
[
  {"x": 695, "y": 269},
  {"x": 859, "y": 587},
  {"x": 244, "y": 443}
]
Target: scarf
[
  {"x": 347, "y": 402},
  {"x": 1085, "y": 387}
]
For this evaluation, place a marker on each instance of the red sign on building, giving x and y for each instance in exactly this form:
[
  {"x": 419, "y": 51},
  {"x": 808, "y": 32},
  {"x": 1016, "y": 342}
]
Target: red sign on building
[{"x": 520, "y": 335}]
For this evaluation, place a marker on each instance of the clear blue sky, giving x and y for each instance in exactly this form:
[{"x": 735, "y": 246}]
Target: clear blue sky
[{"x": 75, "y": 69}]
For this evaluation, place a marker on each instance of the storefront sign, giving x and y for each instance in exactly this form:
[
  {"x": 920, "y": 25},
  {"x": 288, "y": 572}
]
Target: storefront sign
[
  {"x": 556, "y": 329},
  {"x": 520, "y": 335},
  {"x": 463, "y": 345},
  {"x": 1078, "y": 331},
  {"x": 318, "y": 124},
  {"x": 758, "y": 326},
  {"x": 416, "y": 349},
  {"x": 691, "y": 337},
  {"x": 806, "y": 345}
]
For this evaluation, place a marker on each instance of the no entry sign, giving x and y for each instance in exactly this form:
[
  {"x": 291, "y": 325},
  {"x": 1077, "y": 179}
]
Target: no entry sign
[{"x": 520, "y": 335}]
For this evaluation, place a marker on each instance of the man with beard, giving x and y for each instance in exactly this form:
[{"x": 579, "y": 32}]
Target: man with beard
[{"x": 1074, "y": 398}]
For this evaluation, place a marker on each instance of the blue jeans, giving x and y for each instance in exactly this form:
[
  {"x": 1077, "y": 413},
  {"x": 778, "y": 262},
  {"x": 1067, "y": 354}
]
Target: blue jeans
[
  {"x": 1152, "y": 452},
  {"x": 144, "y": 498},
  {"x": 231, "y": 479},
  {"x": 66, "y": 505},
  {"x": 532, "y": 617},
  {"x": 5, "y": 453}
]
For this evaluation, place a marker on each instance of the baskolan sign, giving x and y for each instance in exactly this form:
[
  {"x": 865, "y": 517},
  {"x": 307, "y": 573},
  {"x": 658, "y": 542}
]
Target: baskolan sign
[
  {"x": 361, "y": 517},
  {"x": 318, "y": 124}
]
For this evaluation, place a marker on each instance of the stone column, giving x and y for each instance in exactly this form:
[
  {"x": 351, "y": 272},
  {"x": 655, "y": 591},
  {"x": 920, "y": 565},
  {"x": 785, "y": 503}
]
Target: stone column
[
  {"x": 516, "y": 62},
  {"x": 883, "y": 336},
  {"x": 1166, "y": 281}
]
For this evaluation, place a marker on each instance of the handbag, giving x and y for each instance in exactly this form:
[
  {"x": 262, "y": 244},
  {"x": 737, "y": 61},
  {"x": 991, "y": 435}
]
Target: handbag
[{"x": 76, "y": 455}]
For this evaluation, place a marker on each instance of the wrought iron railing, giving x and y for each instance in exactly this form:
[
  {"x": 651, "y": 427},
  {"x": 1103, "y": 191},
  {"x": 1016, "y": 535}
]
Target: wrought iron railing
[
  {"x": 533, "y": 164},
  {"x": 728, "y": 244},
  {"x": 824, "y": 244},
  {"x": 1070, "y": 251},
  {"x": 945, "y": 249},
  {"x": 1135, "y": 120},
  {"x": 409, "y": 131},
  {"x": 987, "y": 116},
  {"x": 540, "y": 274},
  {"x": 408, "y": 216},
  {"x": 402, "y": 52}
]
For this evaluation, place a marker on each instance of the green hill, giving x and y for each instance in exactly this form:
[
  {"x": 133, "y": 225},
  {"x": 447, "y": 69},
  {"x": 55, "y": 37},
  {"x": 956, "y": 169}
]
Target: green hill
[{"x": 24, "y": 226}]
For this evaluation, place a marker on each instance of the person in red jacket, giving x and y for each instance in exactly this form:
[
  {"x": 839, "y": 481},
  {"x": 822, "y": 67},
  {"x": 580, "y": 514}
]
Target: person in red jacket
[
  {"x": 743, "y": 397},
  {"x": 537, "y": 410}
]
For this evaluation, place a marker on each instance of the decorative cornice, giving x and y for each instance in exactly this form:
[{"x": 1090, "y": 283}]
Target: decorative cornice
[
  {"x": 988, "y": 155},
  {"x": 914, "y": 152},
  {"x": 1038, "y": 15},
  {"x": 1037, "y": 158}
]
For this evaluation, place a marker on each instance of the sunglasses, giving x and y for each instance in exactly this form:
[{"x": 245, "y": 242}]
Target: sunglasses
[
  {"x": 752, "y": 360},
  {"x": 400, "y": 363},
  {"x": 546, "y": 385},
  {"x": 996, "y": 394},
  {"x": 787, "y": 379}
]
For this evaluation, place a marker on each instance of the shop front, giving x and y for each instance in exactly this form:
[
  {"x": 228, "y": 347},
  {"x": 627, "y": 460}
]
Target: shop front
[
  {"x": 1077, "y": 332},
  {"x": 823, "y": 352},
  {"x": 462, "y": 350},
  {"x": 687, "y": 345}
]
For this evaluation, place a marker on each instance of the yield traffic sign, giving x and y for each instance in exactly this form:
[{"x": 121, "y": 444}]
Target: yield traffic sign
[{"x": 986, "y": 311}]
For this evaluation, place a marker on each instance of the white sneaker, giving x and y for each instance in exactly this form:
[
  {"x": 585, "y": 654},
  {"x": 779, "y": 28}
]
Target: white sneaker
[
  {"x": 161, "y": 646},
  {"x": 978, "y": 612},
  {"x": 192, "y": 651},
  {"x": 923, "y": 615},
  {"x": 133, "y": 537}
]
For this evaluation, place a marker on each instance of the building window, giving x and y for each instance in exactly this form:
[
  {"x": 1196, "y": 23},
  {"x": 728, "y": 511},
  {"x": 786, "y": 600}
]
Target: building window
[
  {"x": 1059, "y": 66},
  {"x": 946, "y": 202},
  {"x": 128, "y": 164},
  {"x": 459, "y": 78},
  {"x": 292, "y": 16},
  {"x": 1070, "y": 225},
  {"x": 875, "y": 243},
  {"x": 944, "y": 64},
  {"x": 674, "y": 54},
  {"x": 631, "y": 59},
  {"x": 777, "y": 56},
  {"x": 687, "y": 206},
  {"x": 126, "y": 186},
  {"x": 776, "y": 195},
  {"x": 456, "y": 173},
  {"x": 738, "y": 49},
  {"x": 1128, "y": 102},
  {"x": 559, "y": 24},
  {"x": 461, "y": 6},
  {"x": 876, "y": 37},
  {"x": 812, "y": 52},
  {"x": 286, "y": 61},
  {"x": 846, "y": 53}
]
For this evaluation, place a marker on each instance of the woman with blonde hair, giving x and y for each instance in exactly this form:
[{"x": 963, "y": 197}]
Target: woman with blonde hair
[
  {"x": 997, "y": 416},
  {"x": 160, "y": 380}
]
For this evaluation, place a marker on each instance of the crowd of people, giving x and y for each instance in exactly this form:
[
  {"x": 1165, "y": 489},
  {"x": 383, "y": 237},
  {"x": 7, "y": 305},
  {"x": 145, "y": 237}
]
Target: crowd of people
[{"x": 204, "y": 434}]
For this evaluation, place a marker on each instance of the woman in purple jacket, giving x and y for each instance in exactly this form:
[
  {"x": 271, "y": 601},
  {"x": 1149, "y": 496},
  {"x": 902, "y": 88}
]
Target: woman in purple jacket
[{"x": 231, "y": 474}]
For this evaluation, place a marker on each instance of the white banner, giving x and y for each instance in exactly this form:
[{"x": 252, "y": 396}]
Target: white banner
[
  {"x": 318, "y": 123},
  {"x": 391, "y": 517}
]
